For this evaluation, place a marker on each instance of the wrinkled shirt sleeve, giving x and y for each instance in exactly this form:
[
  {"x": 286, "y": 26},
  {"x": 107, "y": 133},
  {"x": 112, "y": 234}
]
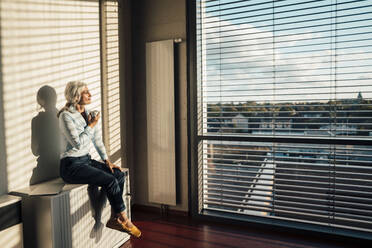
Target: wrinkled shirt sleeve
[{"x": 98, "y": 143}]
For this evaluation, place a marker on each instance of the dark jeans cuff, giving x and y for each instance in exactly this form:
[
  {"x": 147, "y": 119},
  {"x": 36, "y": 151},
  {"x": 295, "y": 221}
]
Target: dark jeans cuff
[{"x": 119, "y": 209}]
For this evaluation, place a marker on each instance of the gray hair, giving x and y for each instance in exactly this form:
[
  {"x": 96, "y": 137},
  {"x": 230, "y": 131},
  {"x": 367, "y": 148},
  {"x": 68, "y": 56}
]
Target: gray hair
[{"x": 72, "y": 94}]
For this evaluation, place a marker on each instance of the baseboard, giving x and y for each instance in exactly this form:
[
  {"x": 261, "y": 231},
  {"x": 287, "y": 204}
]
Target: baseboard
[{"x": 155, "y": 209}]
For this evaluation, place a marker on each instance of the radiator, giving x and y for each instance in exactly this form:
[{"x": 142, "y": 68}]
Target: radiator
[
  {"x": 160, "y": 122},
  {"x": 67, "y": 219}
]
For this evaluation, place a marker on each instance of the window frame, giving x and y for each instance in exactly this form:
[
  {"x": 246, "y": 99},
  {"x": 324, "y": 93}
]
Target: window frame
[{"x": 194, "y": 139}]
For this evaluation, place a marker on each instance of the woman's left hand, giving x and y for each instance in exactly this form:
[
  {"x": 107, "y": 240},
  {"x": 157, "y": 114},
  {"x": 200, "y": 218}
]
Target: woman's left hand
[{"x": 111, "y": 166}]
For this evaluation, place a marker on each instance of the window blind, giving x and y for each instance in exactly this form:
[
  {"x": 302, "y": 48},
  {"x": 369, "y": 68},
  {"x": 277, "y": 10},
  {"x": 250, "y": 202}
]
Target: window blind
[
  {"x": 43, "y": 43},
  {"x": 296, "y": 74},
  {"x": 110, "y": 78}
]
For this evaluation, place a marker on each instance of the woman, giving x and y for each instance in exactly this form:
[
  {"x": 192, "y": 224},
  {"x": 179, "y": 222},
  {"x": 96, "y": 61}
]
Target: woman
[{"x": 78, "y": 127}]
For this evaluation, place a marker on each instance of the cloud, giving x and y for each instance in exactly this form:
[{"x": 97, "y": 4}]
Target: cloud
[{"x": 239, "y": 64}]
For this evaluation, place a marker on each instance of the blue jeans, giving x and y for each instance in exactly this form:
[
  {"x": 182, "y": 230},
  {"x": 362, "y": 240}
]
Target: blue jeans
[{"x": 84, "y": 170}]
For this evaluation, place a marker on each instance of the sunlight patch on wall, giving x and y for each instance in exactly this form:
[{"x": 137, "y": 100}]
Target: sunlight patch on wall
[
  {"x": 12, "y": 237},
  {"x": 111, "y": 76},
  {"x": 43, "y": 43}
]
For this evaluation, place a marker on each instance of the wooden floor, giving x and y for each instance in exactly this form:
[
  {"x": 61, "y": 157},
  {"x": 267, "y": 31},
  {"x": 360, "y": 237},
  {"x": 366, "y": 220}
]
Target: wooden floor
[{"x": 179, "y": 232}]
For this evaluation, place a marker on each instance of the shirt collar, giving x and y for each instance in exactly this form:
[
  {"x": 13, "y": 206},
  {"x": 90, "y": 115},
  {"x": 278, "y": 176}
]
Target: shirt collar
[{"x": 72, "y": 108}]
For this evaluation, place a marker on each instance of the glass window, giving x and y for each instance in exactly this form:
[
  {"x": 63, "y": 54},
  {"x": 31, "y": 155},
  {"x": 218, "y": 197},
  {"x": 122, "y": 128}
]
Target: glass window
[{"x": 284, "y": 104}]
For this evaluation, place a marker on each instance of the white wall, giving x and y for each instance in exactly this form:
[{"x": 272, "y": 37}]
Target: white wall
[
  {"x": 42, "y": 43},
  {"x": 3, "y": 174},
  {"x": 12, "y": 237},
  {"x": 155, "y": 20}
]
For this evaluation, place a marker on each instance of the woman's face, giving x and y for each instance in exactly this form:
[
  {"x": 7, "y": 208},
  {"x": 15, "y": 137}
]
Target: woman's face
[{"x": 85, "y": 96}]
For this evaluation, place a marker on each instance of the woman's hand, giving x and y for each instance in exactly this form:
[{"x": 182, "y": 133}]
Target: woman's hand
[
  {"x": 111, "y": 166},
  {"x": 92, "y": 121}
]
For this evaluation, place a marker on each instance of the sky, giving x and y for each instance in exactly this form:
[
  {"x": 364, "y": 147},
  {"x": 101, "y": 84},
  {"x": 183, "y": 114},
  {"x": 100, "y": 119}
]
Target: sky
[{"x": 300, "y": 51}]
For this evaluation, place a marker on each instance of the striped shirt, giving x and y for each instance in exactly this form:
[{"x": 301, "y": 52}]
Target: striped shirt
[{"x": 77, "y": 135}]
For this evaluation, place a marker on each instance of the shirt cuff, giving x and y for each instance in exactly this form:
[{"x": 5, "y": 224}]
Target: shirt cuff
[{"x": 104, "y": 157}]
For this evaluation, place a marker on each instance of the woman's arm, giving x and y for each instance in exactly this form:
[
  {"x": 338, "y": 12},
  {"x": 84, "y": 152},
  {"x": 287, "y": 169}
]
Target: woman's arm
[
  {"x": 69, "y": 130},
  {"x": 98, "y": 144},
  {"x": 111, "y": 166}
]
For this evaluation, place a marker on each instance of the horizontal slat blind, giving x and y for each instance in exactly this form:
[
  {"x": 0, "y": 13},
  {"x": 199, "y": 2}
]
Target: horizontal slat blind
[
  {"x": 286, "y": 68},
  {"x": 277, "y": 69},
  {"x": 111, "y": 79},
  {"x": 324, "y": 184},
  {"x": 50, "y": 43}
]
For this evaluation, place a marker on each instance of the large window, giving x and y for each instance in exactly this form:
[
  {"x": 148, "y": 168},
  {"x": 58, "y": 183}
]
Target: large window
[
  {"x": 110, "y": 78},
  {"x": 48, "y": 43},
  {"x": 284, "y": 106}
]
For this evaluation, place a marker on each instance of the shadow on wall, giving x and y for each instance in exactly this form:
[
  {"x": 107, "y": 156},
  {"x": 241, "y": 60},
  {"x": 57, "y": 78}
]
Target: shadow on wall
[{"x": 45, "y": 137}]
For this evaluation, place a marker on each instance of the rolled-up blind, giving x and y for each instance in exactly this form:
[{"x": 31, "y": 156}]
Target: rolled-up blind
[{"x": 284, "y": 107}]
